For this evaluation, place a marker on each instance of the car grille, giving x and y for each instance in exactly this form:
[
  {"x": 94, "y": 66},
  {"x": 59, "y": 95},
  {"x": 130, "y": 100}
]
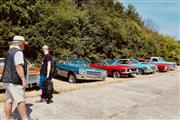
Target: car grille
[
  {"x": 153, "y": 68},
  {"x": 133, "y": 70},
  {"x": 168, "y": 67},
  {"x": 173, "y": 66},
  {"x": 94, "y": 73}
]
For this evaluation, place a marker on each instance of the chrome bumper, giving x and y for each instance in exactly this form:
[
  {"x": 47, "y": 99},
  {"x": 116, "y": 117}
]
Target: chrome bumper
[
  {"x": 149, "y": 71},
  {"x": 173, "y": 67},
  {"x": 79, "y": 77},
  {"x": 130, "y": 73}
]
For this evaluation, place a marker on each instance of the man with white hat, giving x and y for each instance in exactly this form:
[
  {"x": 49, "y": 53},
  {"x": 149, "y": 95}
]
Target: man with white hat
[{"x": 14, "y": 78}]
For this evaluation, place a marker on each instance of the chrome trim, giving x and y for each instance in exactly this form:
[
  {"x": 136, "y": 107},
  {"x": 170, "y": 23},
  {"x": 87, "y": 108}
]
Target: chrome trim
[
  {"x": 63, "y": 73},
  {"x": 89, "y": 77}
]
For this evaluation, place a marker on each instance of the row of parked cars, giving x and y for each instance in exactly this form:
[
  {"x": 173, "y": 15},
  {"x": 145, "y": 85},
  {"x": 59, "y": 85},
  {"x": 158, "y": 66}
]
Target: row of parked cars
[
  {"x": 77, "y": 68},
  {"x": 80, "y": 69}
]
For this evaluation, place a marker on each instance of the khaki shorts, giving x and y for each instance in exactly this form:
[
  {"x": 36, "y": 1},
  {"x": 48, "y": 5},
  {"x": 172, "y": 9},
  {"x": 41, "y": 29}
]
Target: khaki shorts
[{"x": 14, "y": 93}]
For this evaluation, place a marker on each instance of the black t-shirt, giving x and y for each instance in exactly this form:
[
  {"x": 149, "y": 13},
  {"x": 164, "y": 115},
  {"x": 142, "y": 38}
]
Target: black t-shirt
[{"x": 46, "y": 59}]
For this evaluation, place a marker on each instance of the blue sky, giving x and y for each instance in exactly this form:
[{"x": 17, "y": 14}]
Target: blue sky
[{"x": 164, "y": 13}]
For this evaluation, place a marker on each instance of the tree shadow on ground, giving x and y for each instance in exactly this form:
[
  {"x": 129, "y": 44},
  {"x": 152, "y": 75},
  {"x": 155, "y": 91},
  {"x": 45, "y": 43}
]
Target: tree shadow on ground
[
  {"x": 78, "y": 81},
  {"x": 16, "y": 112},
  {"x": 33, "y": 88}
]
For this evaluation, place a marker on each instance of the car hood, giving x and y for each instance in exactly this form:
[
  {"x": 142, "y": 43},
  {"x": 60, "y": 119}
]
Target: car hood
[
  {"x": 76, "y": 67},
  {"x": 166, "y": 62},
  {"x": 122, "y": 66},
  {"x": 141, "y": 65},
  {"x": 87, "y": 67}
]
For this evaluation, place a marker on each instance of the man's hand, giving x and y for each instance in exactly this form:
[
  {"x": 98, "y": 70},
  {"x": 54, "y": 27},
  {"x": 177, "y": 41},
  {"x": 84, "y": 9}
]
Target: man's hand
[
  {"x": 47, "y": 76},
  {"x": 24, "y": 83},
  {"x": 20, "y": 71}
]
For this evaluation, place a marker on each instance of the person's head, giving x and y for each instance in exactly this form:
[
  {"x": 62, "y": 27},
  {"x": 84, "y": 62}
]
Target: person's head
[
  {"x": 45, "y": 49},
  {"x": 19, "y": 41}
]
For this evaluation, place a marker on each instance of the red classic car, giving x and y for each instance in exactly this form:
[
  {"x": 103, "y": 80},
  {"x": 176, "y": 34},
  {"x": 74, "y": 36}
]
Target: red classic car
[
  {"x": 161, "y": 67},
  {"x": 117, "y": 71}
]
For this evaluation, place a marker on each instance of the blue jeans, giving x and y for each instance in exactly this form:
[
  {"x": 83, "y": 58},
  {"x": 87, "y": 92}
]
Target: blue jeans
[{"x": 41, "y": 85}]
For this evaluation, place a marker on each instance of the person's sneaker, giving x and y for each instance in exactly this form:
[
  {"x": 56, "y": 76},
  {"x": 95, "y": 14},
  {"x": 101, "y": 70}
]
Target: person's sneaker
[
  {"x": 30, "y": 119},
  {"x": 49, "y": 101},
  {"x": 41, "y": 100}
]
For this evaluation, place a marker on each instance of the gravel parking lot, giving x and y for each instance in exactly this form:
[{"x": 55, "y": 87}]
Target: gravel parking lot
[
  {"x": 153, "y": 96},
  {"x": 61, "y": 85}
]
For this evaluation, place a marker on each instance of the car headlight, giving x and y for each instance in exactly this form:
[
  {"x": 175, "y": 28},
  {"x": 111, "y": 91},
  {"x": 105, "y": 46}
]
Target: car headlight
[
  {"x": 128, "y": 70},
  {"x": 82, "y": 72},
  {"x": 148, "y": 67},
  {"x": 104, "y": 74}
]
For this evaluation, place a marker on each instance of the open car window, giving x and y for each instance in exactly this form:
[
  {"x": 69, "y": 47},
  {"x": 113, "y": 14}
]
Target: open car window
[
  {"x": 126, "y": 62},
  {"x": 155, "y": 60},
  {"x": 78, "y": 61},
  {"x": 112, "y": 62},
  {"x": 134, "y": 61},
  {"x": 121, "y": 61}
]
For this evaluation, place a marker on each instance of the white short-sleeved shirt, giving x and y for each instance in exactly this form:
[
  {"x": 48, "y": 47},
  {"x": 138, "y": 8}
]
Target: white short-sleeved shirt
[{"x": 19, "y": 58}]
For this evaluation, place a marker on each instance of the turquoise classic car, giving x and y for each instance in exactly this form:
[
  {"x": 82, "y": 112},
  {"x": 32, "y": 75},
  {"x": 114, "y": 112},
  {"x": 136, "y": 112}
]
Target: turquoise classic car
[
  {"x": 78, "y": 69},
  {"x": 142, "y": 67}
]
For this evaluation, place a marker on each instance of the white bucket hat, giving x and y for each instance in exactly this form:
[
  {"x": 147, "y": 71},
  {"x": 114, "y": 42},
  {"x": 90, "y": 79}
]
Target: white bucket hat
[
  {"x": 45, "y": 47},
  {"x": 18, "y": 38}
]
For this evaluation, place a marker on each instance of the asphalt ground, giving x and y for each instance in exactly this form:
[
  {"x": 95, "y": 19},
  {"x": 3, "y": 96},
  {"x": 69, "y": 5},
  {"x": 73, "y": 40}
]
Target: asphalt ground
[{"x": 148, "y": 97}]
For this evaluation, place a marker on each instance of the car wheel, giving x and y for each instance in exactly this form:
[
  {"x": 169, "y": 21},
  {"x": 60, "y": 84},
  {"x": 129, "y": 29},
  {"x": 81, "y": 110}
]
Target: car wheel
[
  {"x": 116, "y": 74},
  {"x": 72, "y": 78},
  {"x": 141, "y": 72}
]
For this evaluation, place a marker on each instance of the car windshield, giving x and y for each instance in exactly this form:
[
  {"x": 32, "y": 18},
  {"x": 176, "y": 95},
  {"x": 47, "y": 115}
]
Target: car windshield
[
  {"x": 111, "y": 62},
  {"x": 78, "y": 61},
  {"x": 161, "y": 59},
  {"x": 134, "y": 61},
  {"x": 121, "y": 61}
]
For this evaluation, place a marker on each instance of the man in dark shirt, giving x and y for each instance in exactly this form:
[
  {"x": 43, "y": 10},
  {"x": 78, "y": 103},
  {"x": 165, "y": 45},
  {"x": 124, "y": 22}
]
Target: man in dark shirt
[{"x": 44, "y": 72}]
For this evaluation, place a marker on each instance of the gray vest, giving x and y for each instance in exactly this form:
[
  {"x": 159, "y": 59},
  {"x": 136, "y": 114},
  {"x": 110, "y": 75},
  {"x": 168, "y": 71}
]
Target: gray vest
[{"x": 9, "y": 73}]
